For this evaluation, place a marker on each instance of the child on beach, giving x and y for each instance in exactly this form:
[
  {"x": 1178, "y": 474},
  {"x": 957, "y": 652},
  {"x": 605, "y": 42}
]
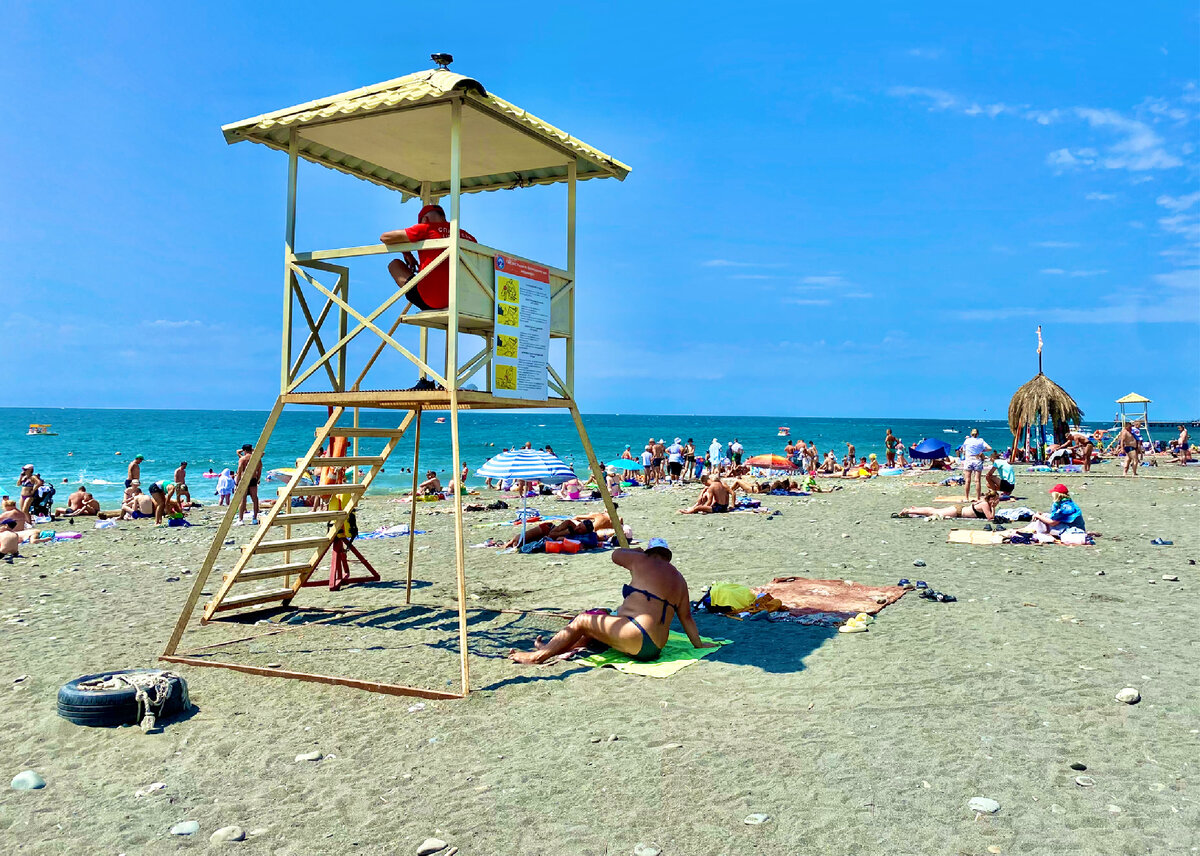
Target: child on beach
[{"x": 225, "y": 487}]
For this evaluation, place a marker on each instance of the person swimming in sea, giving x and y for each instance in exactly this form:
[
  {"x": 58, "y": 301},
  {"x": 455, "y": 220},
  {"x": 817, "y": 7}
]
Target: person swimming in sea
[{"x": 655, "y": 595}]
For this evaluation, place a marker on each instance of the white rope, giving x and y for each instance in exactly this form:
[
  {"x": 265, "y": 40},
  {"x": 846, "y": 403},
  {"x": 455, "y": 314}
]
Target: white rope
[{"x": 152, "y": 690}]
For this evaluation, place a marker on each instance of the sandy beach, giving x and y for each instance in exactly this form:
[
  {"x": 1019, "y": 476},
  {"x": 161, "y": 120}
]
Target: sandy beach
[{"x": 870, "y": 742}]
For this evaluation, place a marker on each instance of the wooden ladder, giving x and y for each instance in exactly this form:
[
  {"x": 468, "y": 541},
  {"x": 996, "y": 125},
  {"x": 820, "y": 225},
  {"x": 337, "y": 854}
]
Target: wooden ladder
[{"x": 285, "y": 578}]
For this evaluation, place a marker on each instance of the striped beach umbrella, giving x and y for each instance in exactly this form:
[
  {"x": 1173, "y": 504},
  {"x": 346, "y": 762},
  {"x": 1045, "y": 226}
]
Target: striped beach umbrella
[
  {"x": 530, "y": 465},
  {"x": 527, "y": 464}
]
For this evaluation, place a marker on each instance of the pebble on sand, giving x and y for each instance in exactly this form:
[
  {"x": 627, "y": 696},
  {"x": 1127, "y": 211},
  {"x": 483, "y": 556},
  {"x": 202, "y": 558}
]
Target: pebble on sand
[
  {"x": 1085, "y": 781},
  {"x": 187, "y": 827},
  {"x": 983, "y": 805},
  {"x": 1129, "y": 695},
  {"x": 430, "y": 845},
  {"x": 310, "y": 756},
  {"x": 228, "y": 833},
  {"x": 28, "y": 781},
  {"x": 756, "y": 819},
  {"x": 641, "y": 849},
  {"x": 1171, "y": 578},
  {"x": 918, "y": 563}
]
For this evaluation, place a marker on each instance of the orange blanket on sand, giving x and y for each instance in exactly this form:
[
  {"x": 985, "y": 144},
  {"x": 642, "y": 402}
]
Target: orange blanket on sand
[{"x": 802, "y": 596}]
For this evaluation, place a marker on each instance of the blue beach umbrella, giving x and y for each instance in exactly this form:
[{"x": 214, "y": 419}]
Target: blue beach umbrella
[
  {"x": 930, "y": 449},
  {"x": 530, "y": 465},
  {"x": 624, "y": 464}
]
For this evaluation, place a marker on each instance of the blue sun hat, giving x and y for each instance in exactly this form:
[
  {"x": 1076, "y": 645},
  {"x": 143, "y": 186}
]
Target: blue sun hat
[{"x": 659, "y": 544}]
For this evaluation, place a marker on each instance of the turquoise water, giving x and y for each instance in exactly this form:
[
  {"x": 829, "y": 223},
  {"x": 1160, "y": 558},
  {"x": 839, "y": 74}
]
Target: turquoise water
[{"x": 88, "y": 440}]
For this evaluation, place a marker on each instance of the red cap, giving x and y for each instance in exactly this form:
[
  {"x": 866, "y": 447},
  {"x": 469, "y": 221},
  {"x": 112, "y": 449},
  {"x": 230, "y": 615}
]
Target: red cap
[
  {"x": 427, "y": 209},
  {"x": 1059, "y": 488}
]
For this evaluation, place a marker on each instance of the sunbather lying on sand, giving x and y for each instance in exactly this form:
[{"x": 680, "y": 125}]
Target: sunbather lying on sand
[
  {"x": 600, "y": 523},
  {"x": 656, "y": 593},
  {"x": 984, "y": 509}
]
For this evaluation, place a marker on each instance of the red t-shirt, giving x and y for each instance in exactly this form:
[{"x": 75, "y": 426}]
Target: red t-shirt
[{"x": 435, "y": 287}]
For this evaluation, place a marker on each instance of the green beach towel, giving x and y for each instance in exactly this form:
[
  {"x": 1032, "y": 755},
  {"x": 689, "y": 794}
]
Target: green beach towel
[{"x": 677, "y": 654}]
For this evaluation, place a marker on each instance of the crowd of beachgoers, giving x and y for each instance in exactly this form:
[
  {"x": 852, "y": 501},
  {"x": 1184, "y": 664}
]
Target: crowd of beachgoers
[{"x": 722, "y": 470}]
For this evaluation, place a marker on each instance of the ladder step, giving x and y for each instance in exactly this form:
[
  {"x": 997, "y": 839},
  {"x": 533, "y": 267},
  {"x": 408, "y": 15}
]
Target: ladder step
[
  {"x": 325, "y": 489},
  {"x": 360, "y": 461},
  {"x": 290, "y": 544},
  {"x": 270, "y": 571},
  {"x": 253, "y": 598},
  {"x": 364, "y": 432},
  {"x": 307, "y": 517}
]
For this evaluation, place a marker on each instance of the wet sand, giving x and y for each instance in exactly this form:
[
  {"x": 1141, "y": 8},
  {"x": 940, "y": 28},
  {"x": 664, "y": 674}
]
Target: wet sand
[{"x": 870, "y": 742}]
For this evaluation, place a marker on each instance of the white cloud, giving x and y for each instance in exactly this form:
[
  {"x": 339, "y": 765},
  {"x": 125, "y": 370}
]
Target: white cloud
[
  {"x": 858, "y": 295},
  {"x": 1185, "y": 279},
  {"x": 753, "y": 276},
  {"x": 807, "y": 301},
  {"x": 939, "y": 98},
  {"x": 829, "y": 279},
  {"x": 1052, "y": 271},
  {"x": 1088, "y": 272},
  {"x": 1100, "y": 197},
  {"x": 1182, "y": 224},
  {"x": 1066, "y": 159},
  {"x": 1057, "y": 245},
  {"x": 728, "y": 263},
  {"x": 1044, "y": 117},
  {"x": 172, "y": 325},
  {"x": 1179, "y": 203},
  {"x": 1138, "y": 148}
]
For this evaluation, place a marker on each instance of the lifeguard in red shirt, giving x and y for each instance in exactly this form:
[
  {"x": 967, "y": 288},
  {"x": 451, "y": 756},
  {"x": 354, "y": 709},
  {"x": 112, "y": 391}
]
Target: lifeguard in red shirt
[{"x": 433, "y": 292}]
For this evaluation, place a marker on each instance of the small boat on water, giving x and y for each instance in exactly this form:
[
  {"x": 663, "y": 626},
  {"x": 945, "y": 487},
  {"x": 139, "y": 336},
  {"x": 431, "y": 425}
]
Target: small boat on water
[
  {"x": 36, "y": 430},
  {"x": 784, "y": 431},
  {"x": 441, "y": 420}
]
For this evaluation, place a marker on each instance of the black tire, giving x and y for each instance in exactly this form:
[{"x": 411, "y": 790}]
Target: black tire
[{"x": 111, "y": 707}]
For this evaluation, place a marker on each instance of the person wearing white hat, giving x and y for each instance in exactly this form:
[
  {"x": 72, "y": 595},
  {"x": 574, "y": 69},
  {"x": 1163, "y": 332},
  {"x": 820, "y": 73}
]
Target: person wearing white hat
[
  {"x": 654, "y": 596},
  {"x": 674, "y": 461}
]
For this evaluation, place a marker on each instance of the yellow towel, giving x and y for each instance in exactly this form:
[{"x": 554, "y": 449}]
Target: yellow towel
[
  {"x": 973, "y": 536},
  {"x": 677, "y": 654}
]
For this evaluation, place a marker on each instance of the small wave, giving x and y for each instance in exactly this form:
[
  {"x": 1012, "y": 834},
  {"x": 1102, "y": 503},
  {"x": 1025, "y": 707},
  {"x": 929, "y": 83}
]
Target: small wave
[{"x": 101, "y": 481}]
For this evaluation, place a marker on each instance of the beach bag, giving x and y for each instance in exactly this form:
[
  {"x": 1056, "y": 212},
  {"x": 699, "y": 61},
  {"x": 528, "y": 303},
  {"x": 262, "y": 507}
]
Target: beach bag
[
  {"x": 731, "y": 595},
  {"x": 589, "y": 541},
  {"x": 569, "y": 546},
  {"x": 553, "y": 546}
]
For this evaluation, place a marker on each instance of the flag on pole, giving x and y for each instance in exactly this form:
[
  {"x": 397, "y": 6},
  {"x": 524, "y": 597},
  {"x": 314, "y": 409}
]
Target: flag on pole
[{"x": 1039, "y": 340}]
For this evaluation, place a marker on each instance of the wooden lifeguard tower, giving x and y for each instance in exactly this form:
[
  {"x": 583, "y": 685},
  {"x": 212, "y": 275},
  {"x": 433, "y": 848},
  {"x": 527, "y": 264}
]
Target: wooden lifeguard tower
[{"x": 429, "y": 135}]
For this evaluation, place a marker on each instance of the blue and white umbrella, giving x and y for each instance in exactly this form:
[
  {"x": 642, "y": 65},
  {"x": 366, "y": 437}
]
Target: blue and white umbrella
[{"x": 530, "y": 465}]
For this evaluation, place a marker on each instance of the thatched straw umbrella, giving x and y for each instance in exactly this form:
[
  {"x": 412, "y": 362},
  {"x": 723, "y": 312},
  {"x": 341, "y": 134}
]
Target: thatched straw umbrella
[{"x": 1039, "y": 401}]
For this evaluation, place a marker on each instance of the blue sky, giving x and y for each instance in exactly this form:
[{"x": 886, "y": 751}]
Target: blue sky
[{"x": 853, "y": 213}]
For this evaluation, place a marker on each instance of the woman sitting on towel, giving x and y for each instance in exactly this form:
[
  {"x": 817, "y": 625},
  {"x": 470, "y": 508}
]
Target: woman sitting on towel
[
  {"x": 656, "y": 593},
  {"x": 983, "y": 509}
]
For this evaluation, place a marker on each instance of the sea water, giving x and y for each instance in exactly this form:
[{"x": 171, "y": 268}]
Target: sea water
[{"x": 94, "y": 447}]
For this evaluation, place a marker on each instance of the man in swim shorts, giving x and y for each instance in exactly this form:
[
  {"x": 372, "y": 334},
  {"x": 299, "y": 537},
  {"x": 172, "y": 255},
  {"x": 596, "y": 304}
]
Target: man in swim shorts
[
  {"x": 736, "y": 450},
  {"x": 252, "y": 478},
  {"x": 181, "y": 488},
  {"x": 138, "y": 506},
  {"x": 1184, "y": 445},
  {"x": 133, "y": 476},
  {"x": 973, "y": 448},
  {"x": 432, "y": 486},
  {"x": 716, "y": 498},
  {"x": 1128, "y": 442},
  {"x": 74, "y": 503}
]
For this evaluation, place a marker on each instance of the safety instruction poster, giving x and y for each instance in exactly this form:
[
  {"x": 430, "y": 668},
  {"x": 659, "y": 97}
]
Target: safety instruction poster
[{"x": 522, "y": 346}]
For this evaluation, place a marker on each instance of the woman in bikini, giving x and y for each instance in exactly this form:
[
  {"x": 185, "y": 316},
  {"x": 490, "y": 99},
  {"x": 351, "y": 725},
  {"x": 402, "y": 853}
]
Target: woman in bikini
[
  {"x": 656, "y": 593},
  {"x": 982, "y": 509},
  {"x": 28, "y": 483}
]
